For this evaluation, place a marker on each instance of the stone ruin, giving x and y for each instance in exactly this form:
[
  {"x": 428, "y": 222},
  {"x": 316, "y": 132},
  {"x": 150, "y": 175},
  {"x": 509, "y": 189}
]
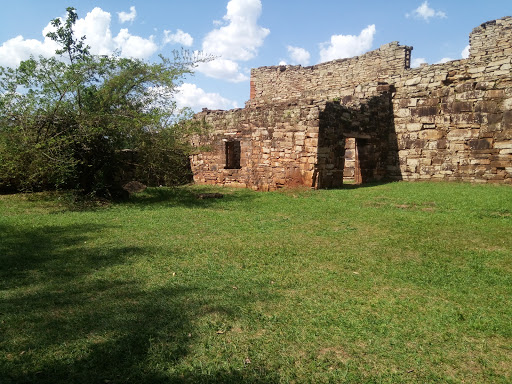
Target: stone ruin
[{"x": 367, "y": 118}]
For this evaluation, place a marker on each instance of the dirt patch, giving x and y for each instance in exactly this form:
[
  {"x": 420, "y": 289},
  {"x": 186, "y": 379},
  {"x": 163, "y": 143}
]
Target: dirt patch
[{"x": 334, "y": 352}]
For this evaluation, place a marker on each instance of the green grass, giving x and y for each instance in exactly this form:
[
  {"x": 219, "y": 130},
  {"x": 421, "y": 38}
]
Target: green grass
[{"x": 390, "y": 283}]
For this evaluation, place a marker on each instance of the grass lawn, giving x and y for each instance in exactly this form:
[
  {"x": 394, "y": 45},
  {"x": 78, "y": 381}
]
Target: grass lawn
[{"x": 389, "y": 283}]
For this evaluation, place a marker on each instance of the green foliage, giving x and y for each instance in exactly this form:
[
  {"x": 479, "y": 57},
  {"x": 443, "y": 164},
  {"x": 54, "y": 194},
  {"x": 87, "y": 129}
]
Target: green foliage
[{"x": 68, "y": 122}]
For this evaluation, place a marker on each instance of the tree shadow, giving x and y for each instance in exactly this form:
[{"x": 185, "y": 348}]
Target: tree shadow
[
  {"x": 52, "y": 253},
  {"x": 62, "y": 322},
  {"x": 189, "y": 197}
]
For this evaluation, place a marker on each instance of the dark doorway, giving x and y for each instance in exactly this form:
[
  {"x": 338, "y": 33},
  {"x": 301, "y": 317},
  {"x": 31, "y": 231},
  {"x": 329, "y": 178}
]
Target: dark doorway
[{"x": 357, "y": 141}]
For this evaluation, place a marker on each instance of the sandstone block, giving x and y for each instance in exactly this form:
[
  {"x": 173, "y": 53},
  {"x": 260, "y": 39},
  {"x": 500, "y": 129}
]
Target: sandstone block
[
  {"x": 486, "y": 106},
  {"x": 403, "y": 112},
  {"x": 413, "y": 81},
  {"x": 502, "y": 164},
  {"x": 495, "y": 94},
  {"x": 503, "y": 144},
  {"x": 462, "y": 134},
  {"x": 424, "y": 111},
  {"x": 414, "y": 126},
  {"x": 476, "y": 70},
  {"x": 461, "y": 106},
  {"x": 507, "y": 120},
  {"x": 480, "y": 144},
  {"x": 457, "y": 146},
  {"x": 430, "y": 134},
  {"x": 464, "y": 87}
]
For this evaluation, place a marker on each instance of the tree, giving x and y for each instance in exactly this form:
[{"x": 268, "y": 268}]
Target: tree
[{"x": 69, "y": 122}]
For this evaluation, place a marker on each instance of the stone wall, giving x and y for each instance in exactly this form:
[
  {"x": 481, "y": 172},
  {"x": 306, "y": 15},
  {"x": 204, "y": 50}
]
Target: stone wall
[
  {"x": 449, "y": 121},
  {"x": 454, "y": 121}
]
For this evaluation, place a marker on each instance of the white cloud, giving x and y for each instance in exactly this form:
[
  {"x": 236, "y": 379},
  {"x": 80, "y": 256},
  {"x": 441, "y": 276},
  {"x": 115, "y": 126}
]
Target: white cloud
[
  {"x": 465, "y": 52},
  {"x": 189, "y": 95},
  {"x": 415, "y": 63},
  {"x": 134, "y": 46},
  {"x": 444, "y": 60},
  {"x": 95, "y": 26},
  {"x": 242, "y": 36},
  {"x": 222, "y": 69},
  {"x": 282, "y": 62},
  {"x": 17, "y": 49},
  {"x": 125, "y": 16},
  {"x": 179, "y": 37},
  {"x": 298, "y": 55},
  {"x": 342, "y": 46},
  {"x": 238, "y": 40},
  {"x": 426, "y": 13}
]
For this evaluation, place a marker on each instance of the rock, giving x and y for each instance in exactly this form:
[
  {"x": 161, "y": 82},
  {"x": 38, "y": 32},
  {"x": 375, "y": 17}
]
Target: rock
[{"x": 134, "y": 187}]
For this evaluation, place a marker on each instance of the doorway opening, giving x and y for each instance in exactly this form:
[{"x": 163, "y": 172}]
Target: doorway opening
[{"x": 352, "y": 168}]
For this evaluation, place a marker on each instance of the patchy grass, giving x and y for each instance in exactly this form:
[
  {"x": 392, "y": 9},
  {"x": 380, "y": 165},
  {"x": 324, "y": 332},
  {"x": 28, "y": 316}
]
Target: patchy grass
[{"x": 401, "y": 282}]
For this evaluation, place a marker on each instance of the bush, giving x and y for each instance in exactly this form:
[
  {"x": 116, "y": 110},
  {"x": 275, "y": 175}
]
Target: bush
[{"x": 65, "y": 123}]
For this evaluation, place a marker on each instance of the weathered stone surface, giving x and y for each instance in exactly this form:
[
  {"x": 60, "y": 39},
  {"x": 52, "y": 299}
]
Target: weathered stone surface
[{"x": 480, "y": 144}]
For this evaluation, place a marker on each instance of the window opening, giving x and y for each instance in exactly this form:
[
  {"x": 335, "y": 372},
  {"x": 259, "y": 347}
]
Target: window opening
[{"x": 232, "y": 154}]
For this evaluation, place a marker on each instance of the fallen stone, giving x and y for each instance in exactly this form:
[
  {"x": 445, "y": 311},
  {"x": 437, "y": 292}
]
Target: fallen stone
[{"x": 134, "y": 187}]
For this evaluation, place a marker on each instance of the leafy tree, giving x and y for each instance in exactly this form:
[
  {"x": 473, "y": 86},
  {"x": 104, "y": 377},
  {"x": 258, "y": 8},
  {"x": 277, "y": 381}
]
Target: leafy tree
[{"x": 83, "y": 121}]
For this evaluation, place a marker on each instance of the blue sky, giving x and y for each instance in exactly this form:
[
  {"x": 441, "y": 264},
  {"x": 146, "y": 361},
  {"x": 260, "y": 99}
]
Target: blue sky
[{"x": 244, "y": 34}]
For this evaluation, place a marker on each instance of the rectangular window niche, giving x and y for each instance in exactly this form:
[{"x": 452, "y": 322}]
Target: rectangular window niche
[{"x": 232, "y": 154}]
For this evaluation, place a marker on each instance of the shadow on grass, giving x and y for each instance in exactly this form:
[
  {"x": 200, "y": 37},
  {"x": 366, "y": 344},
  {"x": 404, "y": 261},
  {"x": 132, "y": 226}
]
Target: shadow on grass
[
  {"x": 66, "y": 317},
  {"x": 52, "y": 253},
  {"x": 367, "y": 185},
  {"x": 188, "y": 196}
]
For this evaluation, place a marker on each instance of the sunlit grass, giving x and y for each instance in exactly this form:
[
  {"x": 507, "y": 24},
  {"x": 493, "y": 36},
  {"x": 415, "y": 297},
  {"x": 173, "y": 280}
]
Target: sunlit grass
[{"x": 397, "y": 282}]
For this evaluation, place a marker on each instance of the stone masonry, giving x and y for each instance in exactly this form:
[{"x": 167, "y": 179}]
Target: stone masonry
[{"x": 370, "y": 116}]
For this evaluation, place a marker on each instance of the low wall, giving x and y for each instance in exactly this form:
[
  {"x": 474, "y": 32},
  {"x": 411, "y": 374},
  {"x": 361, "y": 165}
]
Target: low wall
[{"x": 278, "y": 146}]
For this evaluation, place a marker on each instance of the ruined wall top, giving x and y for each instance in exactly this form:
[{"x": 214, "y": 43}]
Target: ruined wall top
[
  {"x": 492, "y": 39},
  {"x": 488, "y": 42},
  {"x": 284, "y": 82}
]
